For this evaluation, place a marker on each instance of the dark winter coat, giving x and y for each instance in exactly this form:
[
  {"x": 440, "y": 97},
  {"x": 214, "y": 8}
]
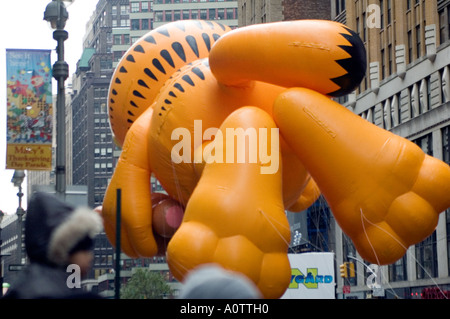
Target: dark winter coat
[
  {"x": 52, "y": 229},
  {"x": 42, "y": 281}
]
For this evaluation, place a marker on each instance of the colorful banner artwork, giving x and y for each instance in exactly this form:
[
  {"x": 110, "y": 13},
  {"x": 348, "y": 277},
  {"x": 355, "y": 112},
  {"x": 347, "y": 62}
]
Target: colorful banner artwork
[{"x": 29, "y": 109}]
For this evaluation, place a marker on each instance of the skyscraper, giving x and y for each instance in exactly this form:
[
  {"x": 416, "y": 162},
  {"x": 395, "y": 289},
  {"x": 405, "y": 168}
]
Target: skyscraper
[{"x": 262, "y": 11}]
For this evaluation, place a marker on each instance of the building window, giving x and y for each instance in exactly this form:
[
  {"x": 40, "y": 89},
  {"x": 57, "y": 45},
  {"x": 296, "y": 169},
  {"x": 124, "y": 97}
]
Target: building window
[
  {"x": 203, "y": 13},
  {"x": 340, "y": 6},
  {"x": 100, "y": 92},
  {"x": 397, "y": 271},
  {"x": 364, "y": 22},
  {"x": 118, "y": 39},
  {"x": 444, "y": 22},
  {"x": 168, "y": 15},
  {"x": 106, "y": 64},
  {"x": 448, "y": 22},
  {"x": 135, "y": 24},
  {"x": 159, "y": 16},
  {"x": 382, "y": 14},
  {"x": 448, "y": 239},
  {"x": 230, "y": 13},
  {"x": 358, "y": 28},
  {"x": 389, "y": 12},
  {"x": 144, "y": 24},
  {"x": 426, "y": 251},
  {"x": 124, "y": 9},
  {"x": 134, "y": 7},
  {"x": 99, "y": 108},
  {"x": 319, "y": 225},
  {"x": 390, "y": 62},
  {"x": 442, "y": 27},
  {"x": 220, "y": 14},
  {"x": 446, "y": 146},
  {"x": 212, "y": 14},
  {"x": 426, "y": 144},
  {"x": 410, "y": 47},
  {"x": 426, "y": 256},
  {"x": 418, "y": 42},
  {"x": 117, "y": 55},
  {"x": 428, "y": 92}
]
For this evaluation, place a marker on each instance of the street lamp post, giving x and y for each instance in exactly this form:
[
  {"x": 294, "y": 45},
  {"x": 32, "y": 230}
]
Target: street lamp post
[
  {"x": 1, "y": 265},
  {"x": 56, "y": 14},
  {"x": 17, "y": 180}
]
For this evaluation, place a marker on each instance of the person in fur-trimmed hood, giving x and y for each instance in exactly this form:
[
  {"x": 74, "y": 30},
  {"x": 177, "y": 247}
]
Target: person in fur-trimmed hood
[{"x": 56, "y": 235}]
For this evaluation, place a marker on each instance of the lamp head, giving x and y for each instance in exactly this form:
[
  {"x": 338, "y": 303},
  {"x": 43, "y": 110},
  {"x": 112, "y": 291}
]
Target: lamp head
[
  {"x": 18, "y": 177},
  {"x": 56, "y": 14}
]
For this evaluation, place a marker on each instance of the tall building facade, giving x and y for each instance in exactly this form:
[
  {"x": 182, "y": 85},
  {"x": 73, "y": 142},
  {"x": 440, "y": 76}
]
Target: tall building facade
[
  {"x": 93, "y": 149},
  {"x": 406, "y": 91},
  {"x": 134, "y": 18},
  {"x": 224, "y": 11},
  {"x": 262, "y": 11}
]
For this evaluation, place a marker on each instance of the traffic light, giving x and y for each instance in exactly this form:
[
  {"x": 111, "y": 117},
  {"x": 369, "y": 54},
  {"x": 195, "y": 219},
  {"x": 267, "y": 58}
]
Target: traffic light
[
  {"x": 351, "y": 268},
  {"x": 343, "y": 269},
  {"x": 347, "y": 269}
]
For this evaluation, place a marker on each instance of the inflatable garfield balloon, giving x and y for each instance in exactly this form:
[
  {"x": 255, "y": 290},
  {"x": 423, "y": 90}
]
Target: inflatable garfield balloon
[{"x": 239, "y": 126}]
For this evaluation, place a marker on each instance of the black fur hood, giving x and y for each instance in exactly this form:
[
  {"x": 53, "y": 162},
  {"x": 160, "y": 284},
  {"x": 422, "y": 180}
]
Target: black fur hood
[{"x": 53, "y": 228}]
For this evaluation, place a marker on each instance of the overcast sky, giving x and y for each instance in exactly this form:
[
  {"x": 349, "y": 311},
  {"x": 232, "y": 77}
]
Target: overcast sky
[{"x": 22, "y": 27}]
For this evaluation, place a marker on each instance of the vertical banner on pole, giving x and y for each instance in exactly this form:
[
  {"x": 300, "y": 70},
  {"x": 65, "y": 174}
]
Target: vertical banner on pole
[{"x": 29, "y": 109}]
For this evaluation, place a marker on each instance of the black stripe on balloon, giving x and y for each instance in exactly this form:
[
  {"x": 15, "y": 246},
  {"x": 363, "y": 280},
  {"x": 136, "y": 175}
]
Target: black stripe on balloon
[
  {"x": 179, "y": 50},
  {"x": 158, "y": 65},
  {"x": 193, "y": 44}
]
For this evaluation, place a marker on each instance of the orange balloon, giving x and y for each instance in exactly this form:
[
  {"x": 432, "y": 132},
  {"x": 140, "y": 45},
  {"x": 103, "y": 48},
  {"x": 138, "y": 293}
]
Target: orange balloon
[
  {"x": 235, "y": 216},
  {"x": 321, "y": 55},
  {"x": 383, "y": 190},
  {"x": 180, "y": 86},
  {"x": 150, "y": 62}
]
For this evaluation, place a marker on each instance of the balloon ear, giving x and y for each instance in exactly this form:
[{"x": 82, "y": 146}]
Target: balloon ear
[{"x": 384, "y": 192}]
